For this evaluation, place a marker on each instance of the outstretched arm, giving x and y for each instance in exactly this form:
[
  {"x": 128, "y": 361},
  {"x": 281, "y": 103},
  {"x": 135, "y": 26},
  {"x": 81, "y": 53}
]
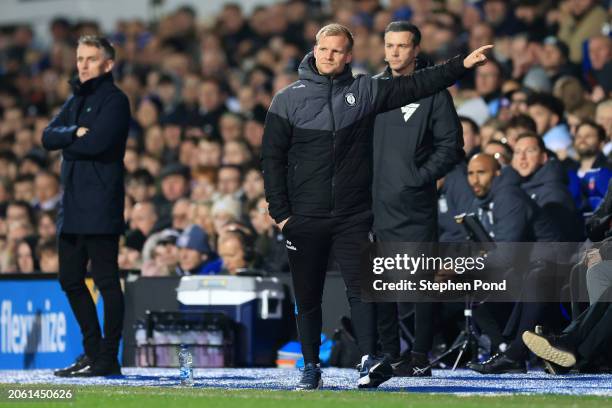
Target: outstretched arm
[{"x": 393, "y": 93}]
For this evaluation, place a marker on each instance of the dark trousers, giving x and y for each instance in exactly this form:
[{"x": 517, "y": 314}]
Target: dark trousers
[
  {"x": 387, "y": 314},
  {"x": 310, "y": 244},
  {"x": 525, "y": 316},
  {"x": 387, "y": 318},
  {"x": 541, "y": 282},
  {"x": 590, "y": 334},
  {"x": 75, "y": 251},
  {"x": 490, "y": 318},
  {"x": 387, "y": 322}
]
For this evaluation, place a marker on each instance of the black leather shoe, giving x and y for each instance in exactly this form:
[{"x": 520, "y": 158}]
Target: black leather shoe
[
  {"x": 80, "y": 363},
  {"x": 417, "y": 365},
  {"x": 99, "y": 369},
  {"x": 499, "y": 364}
]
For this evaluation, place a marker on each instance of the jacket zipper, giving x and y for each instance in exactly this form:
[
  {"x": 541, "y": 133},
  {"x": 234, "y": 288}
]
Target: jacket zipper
[{"x": 333, "y": 167}]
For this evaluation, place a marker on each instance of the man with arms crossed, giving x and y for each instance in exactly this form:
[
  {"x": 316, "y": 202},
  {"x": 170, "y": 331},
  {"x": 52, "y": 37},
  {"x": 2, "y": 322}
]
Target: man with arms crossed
[{"x": 91, "y": 129}]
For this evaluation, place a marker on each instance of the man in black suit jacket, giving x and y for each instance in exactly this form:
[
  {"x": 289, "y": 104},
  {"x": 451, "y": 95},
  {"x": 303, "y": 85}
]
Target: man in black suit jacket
[{"x": 91, "y": 129}]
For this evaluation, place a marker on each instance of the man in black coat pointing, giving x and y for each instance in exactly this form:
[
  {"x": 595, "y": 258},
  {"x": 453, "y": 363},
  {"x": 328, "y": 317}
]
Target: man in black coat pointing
[{"x": 91, "y": 129}]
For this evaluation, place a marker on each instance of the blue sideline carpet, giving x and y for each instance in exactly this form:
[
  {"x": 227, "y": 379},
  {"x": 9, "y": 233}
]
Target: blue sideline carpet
[{"x": 460, "y": 382}]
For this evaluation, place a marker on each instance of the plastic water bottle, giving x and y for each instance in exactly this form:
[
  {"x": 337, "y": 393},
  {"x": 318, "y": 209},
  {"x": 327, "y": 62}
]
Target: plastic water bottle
[{"x": 186, "y": 366}]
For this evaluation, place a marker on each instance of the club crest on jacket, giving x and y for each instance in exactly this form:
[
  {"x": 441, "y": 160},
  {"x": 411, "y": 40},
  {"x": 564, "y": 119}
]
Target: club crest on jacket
[{"x": 350, "y": 99}]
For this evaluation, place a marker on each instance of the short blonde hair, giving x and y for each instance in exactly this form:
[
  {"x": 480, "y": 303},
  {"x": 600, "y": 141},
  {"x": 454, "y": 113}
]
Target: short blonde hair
[{"x": 336, "y": 29}]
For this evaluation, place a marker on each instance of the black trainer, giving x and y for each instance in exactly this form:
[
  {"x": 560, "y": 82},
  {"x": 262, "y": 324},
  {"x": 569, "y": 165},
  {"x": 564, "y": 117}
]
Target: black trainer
[
  {"x": 100, "y": 368},
  {"x": 549, "y": 348},
  {"x": 373, "y": 371},
  {"x": 417, "y": 365},
  {"x": 499, "y": 364},
  {"x": 311, "y": 378},
  {"x": 80, "y": 363}
]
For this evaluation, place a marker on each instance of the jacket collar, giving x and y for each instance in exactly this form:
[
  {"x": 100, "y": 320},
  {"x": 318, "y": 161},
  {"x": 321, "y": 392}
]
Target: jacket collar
[
  {"x": 88, "y": 87},
  {"x": 308, "y": 71},
  {"x": 548, "y": 174},
  {"x": 386, "y": 74}
]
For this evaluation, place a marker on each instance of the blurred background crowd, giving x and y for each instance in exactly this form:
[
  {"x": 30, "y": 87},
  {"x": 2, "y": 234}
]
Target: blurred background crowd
[{"x": 200, "y": 86}]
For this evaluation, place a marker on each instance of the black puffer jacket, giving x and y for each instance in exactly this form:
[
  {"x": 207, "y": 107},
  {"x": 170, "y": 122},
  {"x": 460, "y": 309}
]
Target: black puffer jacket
[
  {"x": 509, "y": 215},
  {"x": 316, "y": 153},
  {"x": 548, "y": 188}
]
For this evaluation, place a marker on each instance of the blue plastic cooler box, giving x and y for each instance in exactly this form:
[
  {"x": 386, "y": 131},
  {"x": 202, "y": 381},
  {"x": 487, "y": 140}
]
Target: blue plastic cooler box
[{"x": 254, "y": 303}]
